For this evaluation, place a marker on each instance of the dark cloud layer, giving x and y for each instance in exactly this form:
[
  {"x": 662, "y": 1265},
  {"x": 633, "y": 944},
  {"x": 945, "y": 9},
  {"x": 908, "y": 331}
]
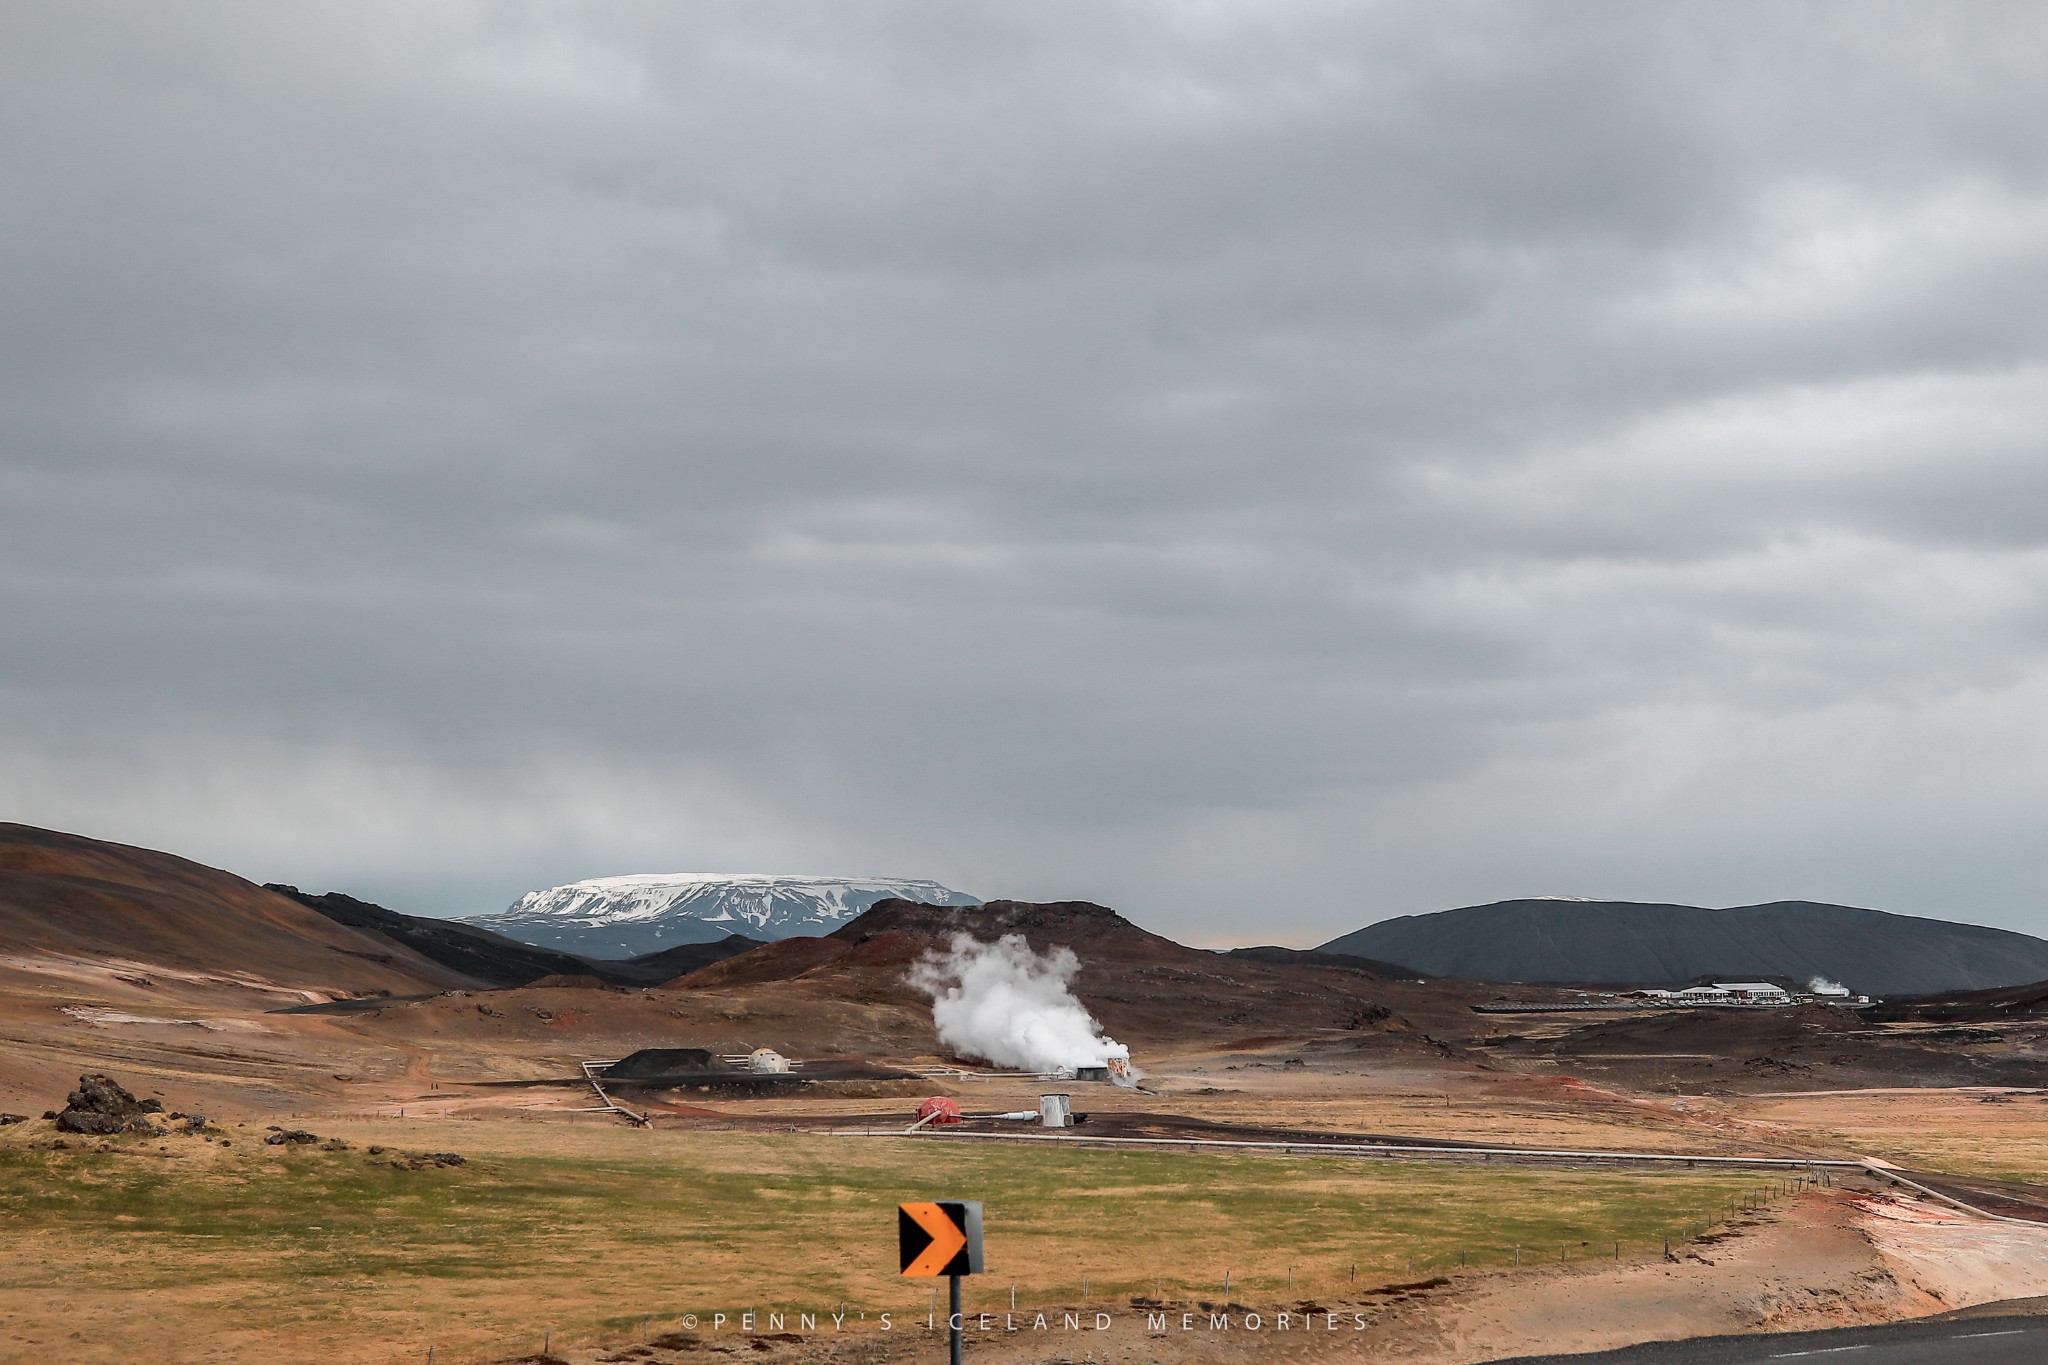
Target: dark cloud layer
[{"x": 1267, "y": 466}]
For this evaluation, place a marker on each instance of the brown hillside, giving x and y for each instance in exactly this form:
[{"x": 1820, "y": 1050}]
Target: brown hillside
[{"x": 64, "y": 896}]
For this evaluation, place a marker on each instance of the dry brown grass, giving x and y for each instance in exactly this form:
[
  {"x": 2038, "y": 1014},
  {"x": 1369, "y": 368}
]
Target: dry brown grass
[
  {"x": 1963, "y": 1132},
  {"x": 257, "y": 1252}
]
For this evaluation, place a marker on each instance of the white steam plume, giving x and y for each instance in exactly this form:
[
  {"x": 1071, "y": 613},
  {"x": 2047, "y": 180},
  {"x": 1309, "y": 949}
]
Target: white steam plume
[
  {"x": 1820, "y": 985},
  {"x": 1003, "y": 1002}
]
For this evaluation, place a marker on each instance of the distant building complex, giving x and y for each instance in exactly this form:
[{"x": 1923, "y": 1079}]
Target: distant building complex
[
  {"x": 1751, "y": 993},
  {"x": 1714, "y": 995}
]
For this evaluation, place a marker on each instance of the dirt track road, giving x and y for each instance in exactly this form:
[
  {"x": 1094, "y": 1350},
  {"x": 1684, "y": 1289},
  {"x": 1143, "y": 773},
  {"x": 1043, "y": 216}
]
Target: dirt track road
[{"x": 1978, "y": 1341}]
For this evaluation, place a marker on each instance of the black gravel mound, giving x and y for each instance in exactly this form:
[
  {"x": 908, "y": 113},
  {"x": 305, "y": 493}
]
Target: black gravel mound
[{"x": 659, "y": 1063}]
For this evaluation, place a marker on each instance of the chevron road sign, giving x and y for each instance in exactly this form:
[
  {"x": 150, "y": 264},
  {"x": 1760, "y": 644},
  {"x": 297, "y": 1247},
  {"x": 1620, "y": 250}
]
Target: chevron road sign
[{"x": 941, "y": 1238}]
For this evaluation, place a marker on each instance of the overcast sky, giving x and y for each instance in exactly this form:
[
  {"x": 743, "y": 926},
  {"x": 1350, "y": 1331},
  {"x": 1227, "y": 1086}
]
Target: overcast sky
[{"x": 1263, "y": 466}]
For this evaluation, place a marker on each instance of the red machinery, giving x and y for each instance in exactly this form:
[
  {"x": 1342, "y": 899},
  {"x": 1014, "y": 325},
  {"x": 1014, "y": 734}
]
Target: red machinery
[{"x": 936, "y": 1111}]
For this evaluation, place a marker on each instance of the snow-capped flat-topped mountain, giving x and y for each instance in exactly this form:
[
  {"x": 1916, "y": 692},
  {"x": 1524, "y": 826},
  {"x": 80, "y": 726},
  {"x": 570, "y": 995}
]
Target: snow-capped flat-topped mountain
[{"x": 611, "y": 917}]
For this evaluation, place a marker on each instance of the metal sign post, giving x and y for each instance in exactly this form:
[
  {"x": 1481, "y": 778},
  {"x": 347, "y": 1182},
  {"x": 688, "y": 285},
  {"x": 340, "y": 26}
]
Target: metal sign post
[
  {"x": 942, "y": 1238},
  {"x": 955, "y": 1322}
]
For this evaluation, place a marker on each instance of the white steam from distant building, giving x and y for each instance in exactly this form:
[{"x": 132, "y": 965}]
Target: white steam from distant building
[
  {"x": 1820, "y": 985},
  {"x": 1011, "y": 1006}
]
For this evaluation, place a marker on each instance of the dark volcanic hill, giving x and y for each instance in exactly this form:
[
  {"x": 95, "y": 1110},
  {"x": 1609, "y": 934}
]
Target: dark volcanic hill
[
  {"x": 489, "y": 958},
  {"x": 496, "y": 960},
  {"x": 874, "y": 952},
  {"x": 653, "y": 969},
  {"x": 1647, "y": 944},
  {"x": 1139, "y": 985},
  {"x": 1390, "y": 971},
  {"x": 66, "y": 896}
]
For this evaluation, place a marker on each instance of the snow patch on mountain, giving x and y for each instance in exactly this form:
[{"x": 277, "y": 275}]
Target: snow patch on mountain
[{"x": 626, "y": 916}]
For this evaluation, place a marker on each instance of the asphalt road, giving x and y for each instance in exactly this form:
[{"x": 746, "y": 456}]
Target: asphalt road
[{"x": 1968, "y": 1341}]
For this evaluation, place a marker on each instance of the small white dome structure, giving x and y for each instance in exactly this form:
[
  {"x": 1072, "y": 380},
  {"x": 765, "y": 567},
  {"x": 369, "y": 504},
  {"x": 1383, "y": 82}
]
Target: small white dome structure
[{"x": 767, "y": 1059}]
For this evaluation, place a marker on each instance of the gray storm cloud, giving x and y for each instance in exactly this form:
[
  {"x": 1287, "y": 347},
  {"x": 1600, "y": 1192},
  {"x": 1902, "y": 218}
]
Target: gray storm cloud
[{"x": 1338, "y": 460}]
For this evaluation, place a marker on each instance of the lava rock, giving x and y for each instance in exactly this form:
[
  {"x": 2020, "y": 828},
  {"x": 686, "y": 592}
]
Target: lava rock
[
  {"x": 291, "y": 1137},
  {"x": 102, "y": 1107}
]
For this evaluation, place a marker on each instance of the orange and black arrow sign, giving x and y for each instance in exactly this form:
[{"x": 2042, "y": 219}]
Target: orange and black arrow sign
[{"x": 940, "y": 1238}]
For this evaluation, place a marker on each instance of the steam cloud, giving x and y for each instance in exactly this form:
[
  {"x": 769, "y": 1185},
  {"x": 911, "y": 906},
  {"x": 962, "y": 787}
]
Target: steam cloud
[
  {"x": 1003, "y": 1002},
  {"x": 1821, "y": 984}
]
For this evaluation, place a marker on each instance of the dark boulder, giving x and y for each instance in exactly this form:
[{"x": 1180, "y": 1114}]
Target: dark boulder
[
  {"x": 101, "y": 1106},
  {"x": 418, "y": 1161}
]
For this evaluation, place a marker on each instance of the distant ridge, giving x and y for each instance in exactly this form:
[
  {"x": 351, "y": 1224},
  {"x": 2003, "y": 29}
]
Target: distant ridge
[{"x": 1558, "y": 942}]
